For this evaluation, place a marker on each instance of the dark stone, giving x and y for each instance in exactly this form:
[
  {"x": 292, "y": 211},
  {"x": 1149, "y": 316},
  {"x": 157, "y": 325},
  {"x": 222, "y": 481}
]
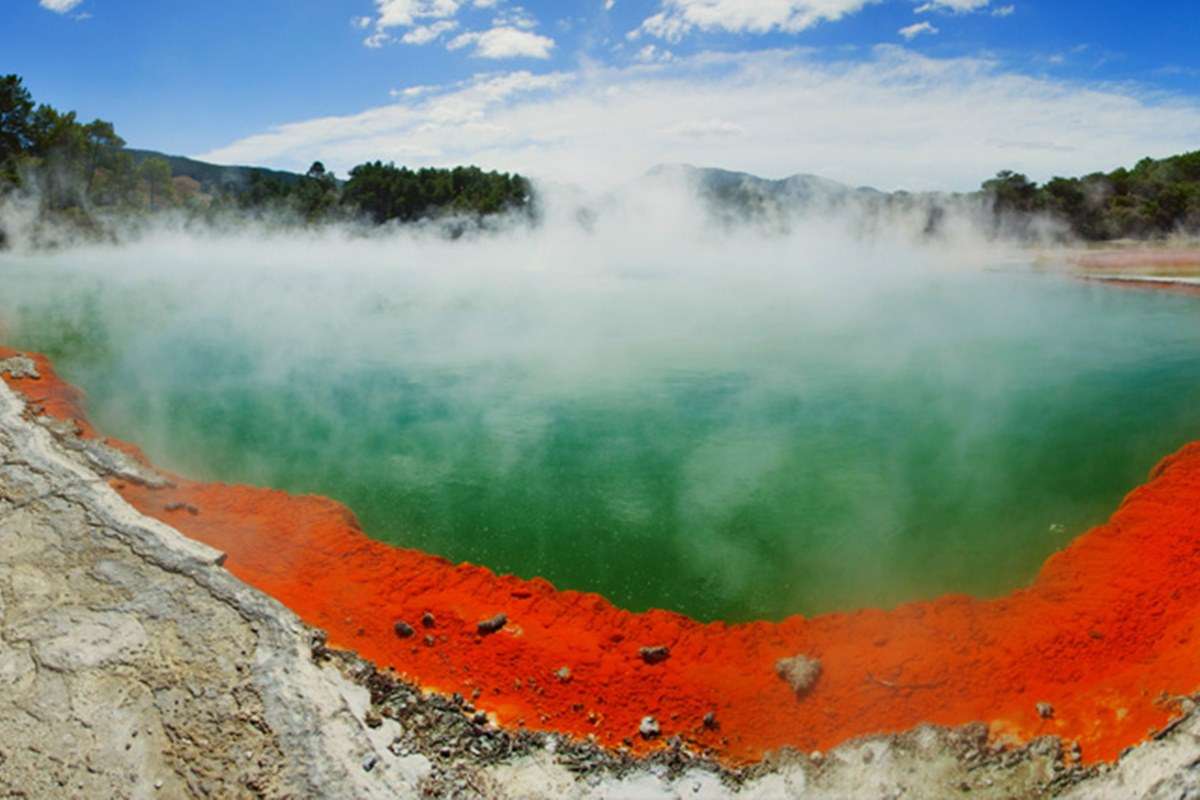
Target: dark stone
[
  {"x": 427, "y": 620},
  {"x": 655, "y": 655},
  {"x": 710, "y": 721},
  {"x": 403, "y": 629},
  {"x": 490, "y": 626}
]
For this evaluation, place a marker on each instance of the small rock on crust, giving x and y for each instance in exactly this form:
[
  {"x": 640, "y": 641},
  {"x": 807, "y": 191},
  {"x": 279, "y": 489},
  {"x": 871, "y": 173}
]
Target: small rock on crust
[
  {"x": 489, "y": 626},
  {"x": 655, "y": 655},
  {"x": 1045, "y": 710},
  {"x": 427, "y": 620},
  {"x": 649, "y": 728},
  {"x": 800, "y": 672},
  {"x": 403, "y": 629},
  {"x": 19, "y": 367},
  {"x": 563, "y": 674},
  {"x": 710, "y": 721}
]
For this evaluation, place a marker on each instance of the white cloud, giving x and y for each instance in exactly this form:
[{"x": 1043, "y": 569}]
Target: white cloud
[
  {"x": 504, "y": 42},
  {"x": 653, "y": 53},
  {"x": 706, "y": 129},
  {"x": 1003, "y": 11},
  {"x": 952, "y": 6},
  {"x": 510, "y": 35},
  {"x": 59, "y": 6},
  {"x": 415, "y": 14},
  {"x": 424, "y": 34},
  {"x": 679, "y": 17},
  {"x": 895, "y": 120},
  {"x": 405, "y": 13},
  {"x": 911, "y": 32},
  {"x": 412, "y": 91},
  {"x": 608, "y": 4},
  {"x": 515, "y": 18}
]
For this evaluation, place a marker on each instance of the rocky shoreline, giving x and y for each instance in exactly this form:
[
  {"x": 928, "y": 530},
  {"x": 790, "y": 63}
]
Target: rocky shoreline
[{"x": 132, "y": 664}]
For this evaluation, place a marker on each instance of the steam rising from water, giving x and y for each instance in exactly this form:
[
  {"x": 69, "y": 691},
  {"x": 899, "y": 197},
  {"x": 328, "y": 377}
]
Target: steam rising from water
[{"x": 728, "y": 422}]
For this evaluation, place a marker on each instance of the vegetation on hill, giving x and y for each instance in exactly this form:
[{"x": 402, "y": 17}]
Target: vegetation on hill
[
  {"x": 1156, "y": 198},
  {"x": 214, "y": 178},
  {"x": 82, "y": 176}
]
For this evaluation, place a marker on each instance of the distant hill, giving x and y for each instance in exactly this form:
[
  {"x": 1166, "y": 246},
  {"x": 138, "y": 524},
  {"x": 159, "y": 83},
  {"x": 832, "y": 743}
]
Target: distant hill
[
  {"x": 729, "y": 185},
  {"x": 215, "y": 176},
  {"x": 735, "y": 197}
]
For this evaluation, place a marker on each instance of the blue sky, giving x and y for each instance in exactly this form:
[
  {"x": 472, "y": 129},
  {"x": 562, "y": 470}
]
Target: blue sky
[{"x": 921, "y": 93}]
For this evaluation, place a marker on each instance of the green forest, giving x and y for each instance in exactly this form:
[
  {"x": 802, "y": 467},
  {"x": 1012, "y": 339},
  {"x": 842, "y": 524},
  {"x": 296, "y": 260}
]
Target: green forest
[
  {"x": 82, "y": 174},
  {"x": 1154, "y": 199}
]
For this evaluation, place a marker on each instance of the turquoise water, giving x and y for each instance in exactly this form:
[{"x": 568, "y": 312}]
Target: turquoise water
[{"x": 733, "y": 449}]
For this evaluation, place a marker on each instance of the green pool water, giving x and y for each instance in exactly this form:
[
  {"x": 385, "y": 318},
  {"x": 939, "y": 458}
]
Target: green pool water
[{"x": 736, "y": 448}]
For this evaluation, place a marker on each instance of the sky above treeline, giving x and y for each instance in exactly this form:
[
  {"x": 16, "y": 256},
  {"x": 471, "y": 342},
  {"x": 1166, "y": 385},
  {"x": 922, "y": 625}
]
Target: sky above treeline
[{"x": 919, "y": 94}]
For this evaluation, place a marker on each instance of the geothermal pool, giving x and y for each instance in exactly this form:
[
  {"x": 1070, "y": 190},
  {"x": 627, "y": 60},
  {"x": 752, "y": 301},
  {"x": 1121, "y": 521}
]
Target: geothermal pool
[{"x": 730, "y": 444}]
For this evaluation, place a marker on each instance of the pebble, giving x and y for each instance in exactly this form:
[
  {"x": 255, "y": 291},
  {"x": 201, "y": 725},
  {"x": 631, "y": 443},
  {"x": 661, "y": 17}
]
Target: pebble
[
  {"x": 369, "y": 762},
  {"x": 563, "y": 674},
  {"x": 710, "y": 721},
  {"x": 800, "y": 672},
  {"x": 655, "y": 655},
  {"x": 1045, "y": 710},
  {"x": 427, "y": 620},
  {"x": 492, "y": 625},
  {"x": 649, "y": 728},
  {"x": 403, "y": 629}
]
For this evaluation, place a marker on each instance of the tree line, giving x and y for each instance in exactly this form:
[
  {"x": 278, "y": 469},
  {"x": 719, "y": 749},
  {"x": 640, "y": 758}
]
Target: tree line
[
  {"x": 1157, "y": 198},
  {"x": 82, "y": 173}
]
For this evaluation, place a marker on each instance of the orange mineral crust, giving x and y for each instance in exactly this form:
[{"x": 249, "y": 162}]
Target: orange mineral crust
[{"x": 1105, "y": 635}]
